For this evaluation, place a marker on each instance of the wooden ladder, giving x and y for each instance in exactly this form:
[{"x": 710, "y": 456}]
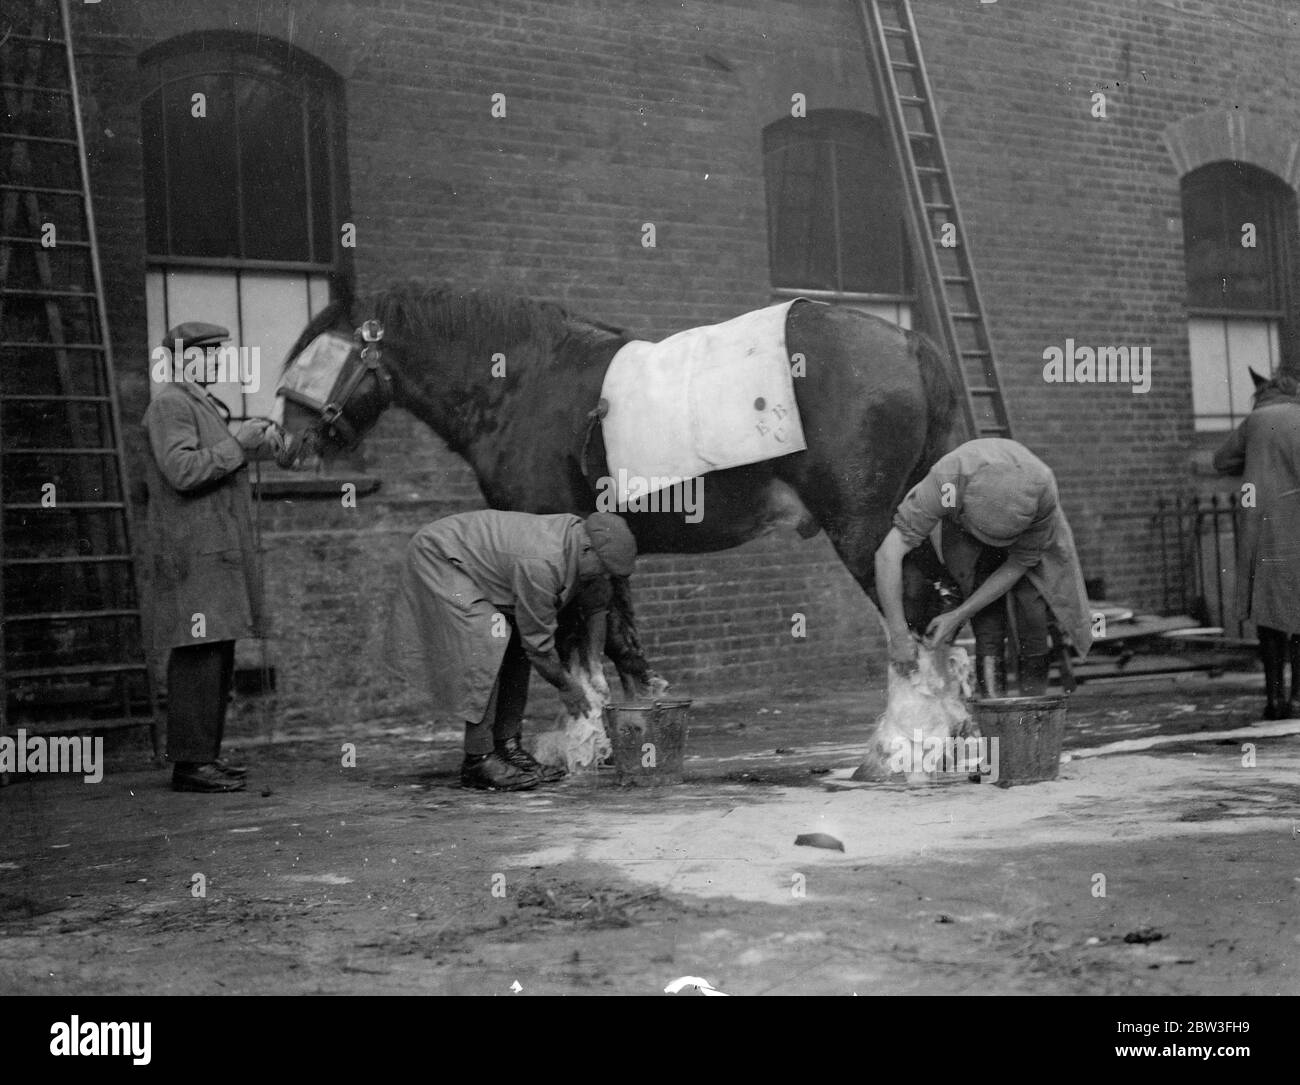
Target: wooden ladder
[
  {"x": 951, "y": 304},
  {"x": 70, "y": 625}
]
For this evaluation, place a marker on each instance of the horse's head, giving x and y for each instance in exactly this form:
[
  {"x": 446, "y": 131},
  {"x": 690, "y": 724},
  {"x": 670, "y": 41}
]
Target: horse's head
[
  {"x": 334, "y": 387},
  {"x": 1281, "y": 385}
]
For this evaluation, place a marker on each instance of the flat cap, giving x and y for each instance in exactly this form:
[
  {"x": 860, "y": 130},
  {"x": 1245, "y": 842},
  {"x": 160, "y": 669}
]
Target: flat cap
[
  {"x": 613, "y": 542},
  {"x": 195, "y": 333}
]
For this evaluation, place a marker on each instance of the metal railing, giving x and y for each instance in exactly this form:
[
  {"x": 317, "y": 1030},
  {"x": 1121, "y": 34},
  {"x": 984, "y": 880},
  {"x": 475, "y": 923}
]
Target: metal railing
[{"x": 1197, "y": 539}]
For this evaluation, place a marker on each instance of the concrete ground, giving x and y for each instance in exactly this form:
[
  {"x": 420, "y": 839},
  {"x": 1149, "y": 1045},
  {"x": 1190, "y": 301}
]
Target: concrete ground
[{"x": 1169, "y": 870}]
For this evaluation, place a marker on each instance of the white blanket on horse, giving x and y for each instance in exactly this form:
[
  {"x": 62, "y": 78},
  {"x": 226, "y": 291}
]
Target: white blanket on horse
[{"x": 702, "y": 400}]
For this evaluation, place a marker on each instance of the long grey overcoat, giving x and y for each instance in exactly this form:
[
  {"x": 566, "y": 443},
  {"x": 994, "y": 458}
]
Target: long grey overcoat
[
  {"x": 200, "y": 524},
  {"x": 1265, "y": 451}
]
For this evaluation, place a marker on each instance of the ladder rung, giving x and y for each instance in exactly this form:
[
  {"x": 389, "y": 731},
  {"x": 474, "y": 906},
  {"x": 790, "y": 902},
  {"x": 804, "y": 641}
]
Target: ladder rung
[
  {"x": 20, "y": 292},
  {"x": 37, "y": 89},
  {"x": 52, "y": 399},
  {"x": 896, "y": 31},
  {"x": 58, "y": 451},
  {"x": 4, "y": 239},
  {"x": 929, "y": 169},
  {"x": 23, "y": 137},
  {"x": 67, "y": 615},
  {"x": 36, "y": 40},
  {"x": 966, "y": 316},
  {"x": 45, "y": 189},
  {"x": 975, "y": 353},
  {"x": 939, "y": 206},
  {"x": 46, "y": 344},
  {"x": 83, "y": 668},
  {"x": 91, "y": 559},
  {"x": 912, "y": 99},
  {"x": 983, "y": 391},
  {"x": 920, "y": 135},
  {"x": 36, "y": 506},
  {"x": 903, "y": 65},
  {"x": 86, "y": 723},
  {"x": 956, "y": 280}
]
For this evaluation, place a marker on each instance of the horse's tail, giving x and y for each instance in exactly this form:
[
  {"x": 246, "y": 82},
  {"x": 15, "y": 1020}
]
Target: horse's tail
[
  {"x": 323, "y": 321},
  {"x": 941, "y": 402}
]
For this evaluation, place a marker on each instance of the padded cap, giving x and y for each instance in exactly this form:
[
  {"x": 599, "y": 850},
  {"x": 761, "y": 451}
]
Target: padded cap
[
  {"x": 195, "y": 333},
  {"x": 613, "y": 542}
]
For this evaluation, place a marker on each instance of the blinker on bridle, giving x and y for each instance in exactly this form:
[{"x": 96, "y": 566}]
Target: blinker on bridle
[{"x": 332, "y": 418}]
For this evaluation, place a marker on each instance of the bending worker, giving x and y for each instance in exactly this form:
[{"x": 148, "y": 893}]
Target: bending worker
[
  {"x": 479, "y": 599},
  {"x": 1001, "y": 532}
]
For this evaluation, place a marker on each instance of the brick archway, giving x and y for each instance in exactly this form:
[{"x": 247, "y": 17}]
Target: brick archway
[{"x": 1234, "y": 135}]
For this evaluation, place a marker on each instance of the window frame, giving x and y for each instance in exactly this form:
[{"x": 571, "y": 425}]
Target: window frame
[{"x": 833, "y": 127}]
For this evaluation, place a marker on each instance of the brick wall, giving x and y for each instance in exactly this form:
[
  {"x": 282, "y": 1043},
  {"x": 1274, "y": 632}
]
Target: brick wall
[{"x": 616, "y": 117}]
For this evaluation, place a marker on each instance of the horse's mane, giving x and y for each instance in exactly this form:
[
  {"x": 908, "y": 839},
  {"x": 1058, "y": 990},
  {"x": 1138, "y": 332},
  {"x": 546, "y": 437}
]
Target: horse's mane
[{"x": 481, "y": 321}]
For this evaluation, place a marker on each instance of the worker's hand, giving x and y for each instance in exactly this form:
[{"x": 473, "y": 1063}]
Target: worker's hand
[
  {"x": 251, "y": 433},
  {"x": 943, "y": 628},
  {"x": 902, "y": 651},
  {"x": 275, "y": 440},
  {"x": 575, "y": 701}
]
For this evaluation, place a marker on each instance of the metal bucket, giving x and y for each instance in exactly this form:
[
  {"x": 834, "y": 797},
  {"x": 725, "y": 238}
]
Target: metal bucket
[
  {"x": 1028, "y": 733},
  {"x": 649, "y": 740}
]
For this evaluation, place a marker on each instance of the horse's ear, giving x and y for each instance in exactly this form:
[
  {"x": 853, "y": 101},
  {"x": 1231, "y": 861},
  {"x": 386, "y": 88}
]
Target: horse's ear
[{"x": 1259, "y": 381}]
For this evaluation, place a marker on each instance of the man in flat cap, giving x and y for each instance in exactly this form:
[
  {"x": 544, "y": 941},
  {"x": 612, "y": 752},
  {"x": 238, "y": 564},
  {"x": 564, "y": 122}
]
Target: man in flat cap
[
  {"x": 1002, "y": 532},
  {"x": 479, "y": 599},
  {"x": 206, "y": 575}
]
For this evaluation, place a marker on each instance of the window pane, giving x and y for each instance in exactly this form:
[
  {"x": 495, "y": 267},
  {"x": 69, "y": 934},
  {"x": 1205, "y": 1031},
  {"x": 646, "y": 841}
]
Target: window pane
[
  {"x": 835, "y": 210},
  {"x": 273, "y": 167},
  {"x": 320, "y": 138},
  {"x": 201, "y": 202},
  {"x": 275, "y": 311},
  {"x": 1219, "y": 202},
  {"x": 871, "y": 219},
  {"x": 155, "y": 177}
]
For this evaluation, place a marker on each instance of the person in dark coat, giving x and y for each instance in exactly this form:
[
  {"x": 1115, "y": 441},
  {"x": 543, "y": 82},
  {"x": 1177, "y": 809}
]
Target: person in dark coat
[
  {"x": 478, "y": 601},
  {"x": 206, "y": 569},
  {"x": 1265, "y": 451},
  {"x": 1001, "y": 531}
]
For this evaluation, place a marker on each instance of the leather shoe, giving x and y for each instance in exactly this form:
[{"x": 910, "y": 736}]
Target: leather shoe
[
  {"x": 495, "y": 773},
  {"x": 204, "y": 778},
  {"x": 237, "y": 772},
  {"x": 512, "y": 750}
]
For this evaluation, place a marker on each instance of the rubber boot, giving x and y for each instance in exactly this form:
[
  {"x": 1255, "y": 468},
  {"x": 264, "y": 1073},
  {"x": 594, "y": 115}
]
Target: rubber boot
[
  {"x": 990, "y": 676},
  {"x": 1293, "y": 705},
  {"x": 1033, "y": 674},
  {"x": 1272, "y": 650}
]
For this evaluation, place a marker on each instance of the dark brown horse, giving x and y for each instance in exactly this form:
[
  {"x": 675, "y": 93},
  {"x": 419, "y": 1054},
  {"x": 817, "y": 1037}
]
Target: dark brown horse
[{"x": 511, "y": 385}]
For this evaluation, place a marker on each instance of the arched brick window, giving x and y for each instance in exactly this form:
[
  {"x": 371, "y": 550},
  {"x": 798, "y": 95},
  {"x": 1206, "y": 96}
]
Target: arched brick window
[
  {"x": 836, "y": 226},
  {"x": 1235, "y": 229},
  {"x": 245, "y": 192}
]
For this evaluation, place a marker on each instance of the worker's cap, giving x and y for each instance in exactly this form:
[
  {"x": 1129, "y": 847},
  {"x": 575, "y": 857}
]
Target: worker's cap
[
  {"x": 1004, "y": 500},
  {"x": 195, "y": 333},
  {"x": 612, "y": 540}
]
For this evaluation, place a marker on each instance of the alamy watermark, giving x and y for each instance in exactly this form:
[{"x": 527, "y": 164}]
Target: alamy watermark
[
  {"x": 76, "y": 754},
  {"x": 1098, "y": 365},
  {"x": 208, "y": 365},
  {"x": 654, "y": 494},
  {"x": 964, "y": 756}
]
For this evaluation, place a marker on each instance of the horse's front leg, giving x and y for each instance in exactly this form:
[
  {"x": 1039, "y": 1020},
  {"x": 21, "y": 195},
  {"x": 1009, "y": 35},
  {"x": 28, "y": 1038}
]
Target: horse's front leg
[{"x": 623, "y": 647}]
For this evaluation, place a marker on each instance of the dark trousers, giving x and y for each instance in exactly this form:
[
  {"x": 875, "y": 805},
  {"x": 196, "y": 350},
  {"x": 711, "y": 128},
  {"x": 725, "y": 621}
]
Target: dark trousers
[
  {"x": 199, "y": 677},
  {"x": 972, "y": 562},
  {"x": 504, "y": 718}
]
